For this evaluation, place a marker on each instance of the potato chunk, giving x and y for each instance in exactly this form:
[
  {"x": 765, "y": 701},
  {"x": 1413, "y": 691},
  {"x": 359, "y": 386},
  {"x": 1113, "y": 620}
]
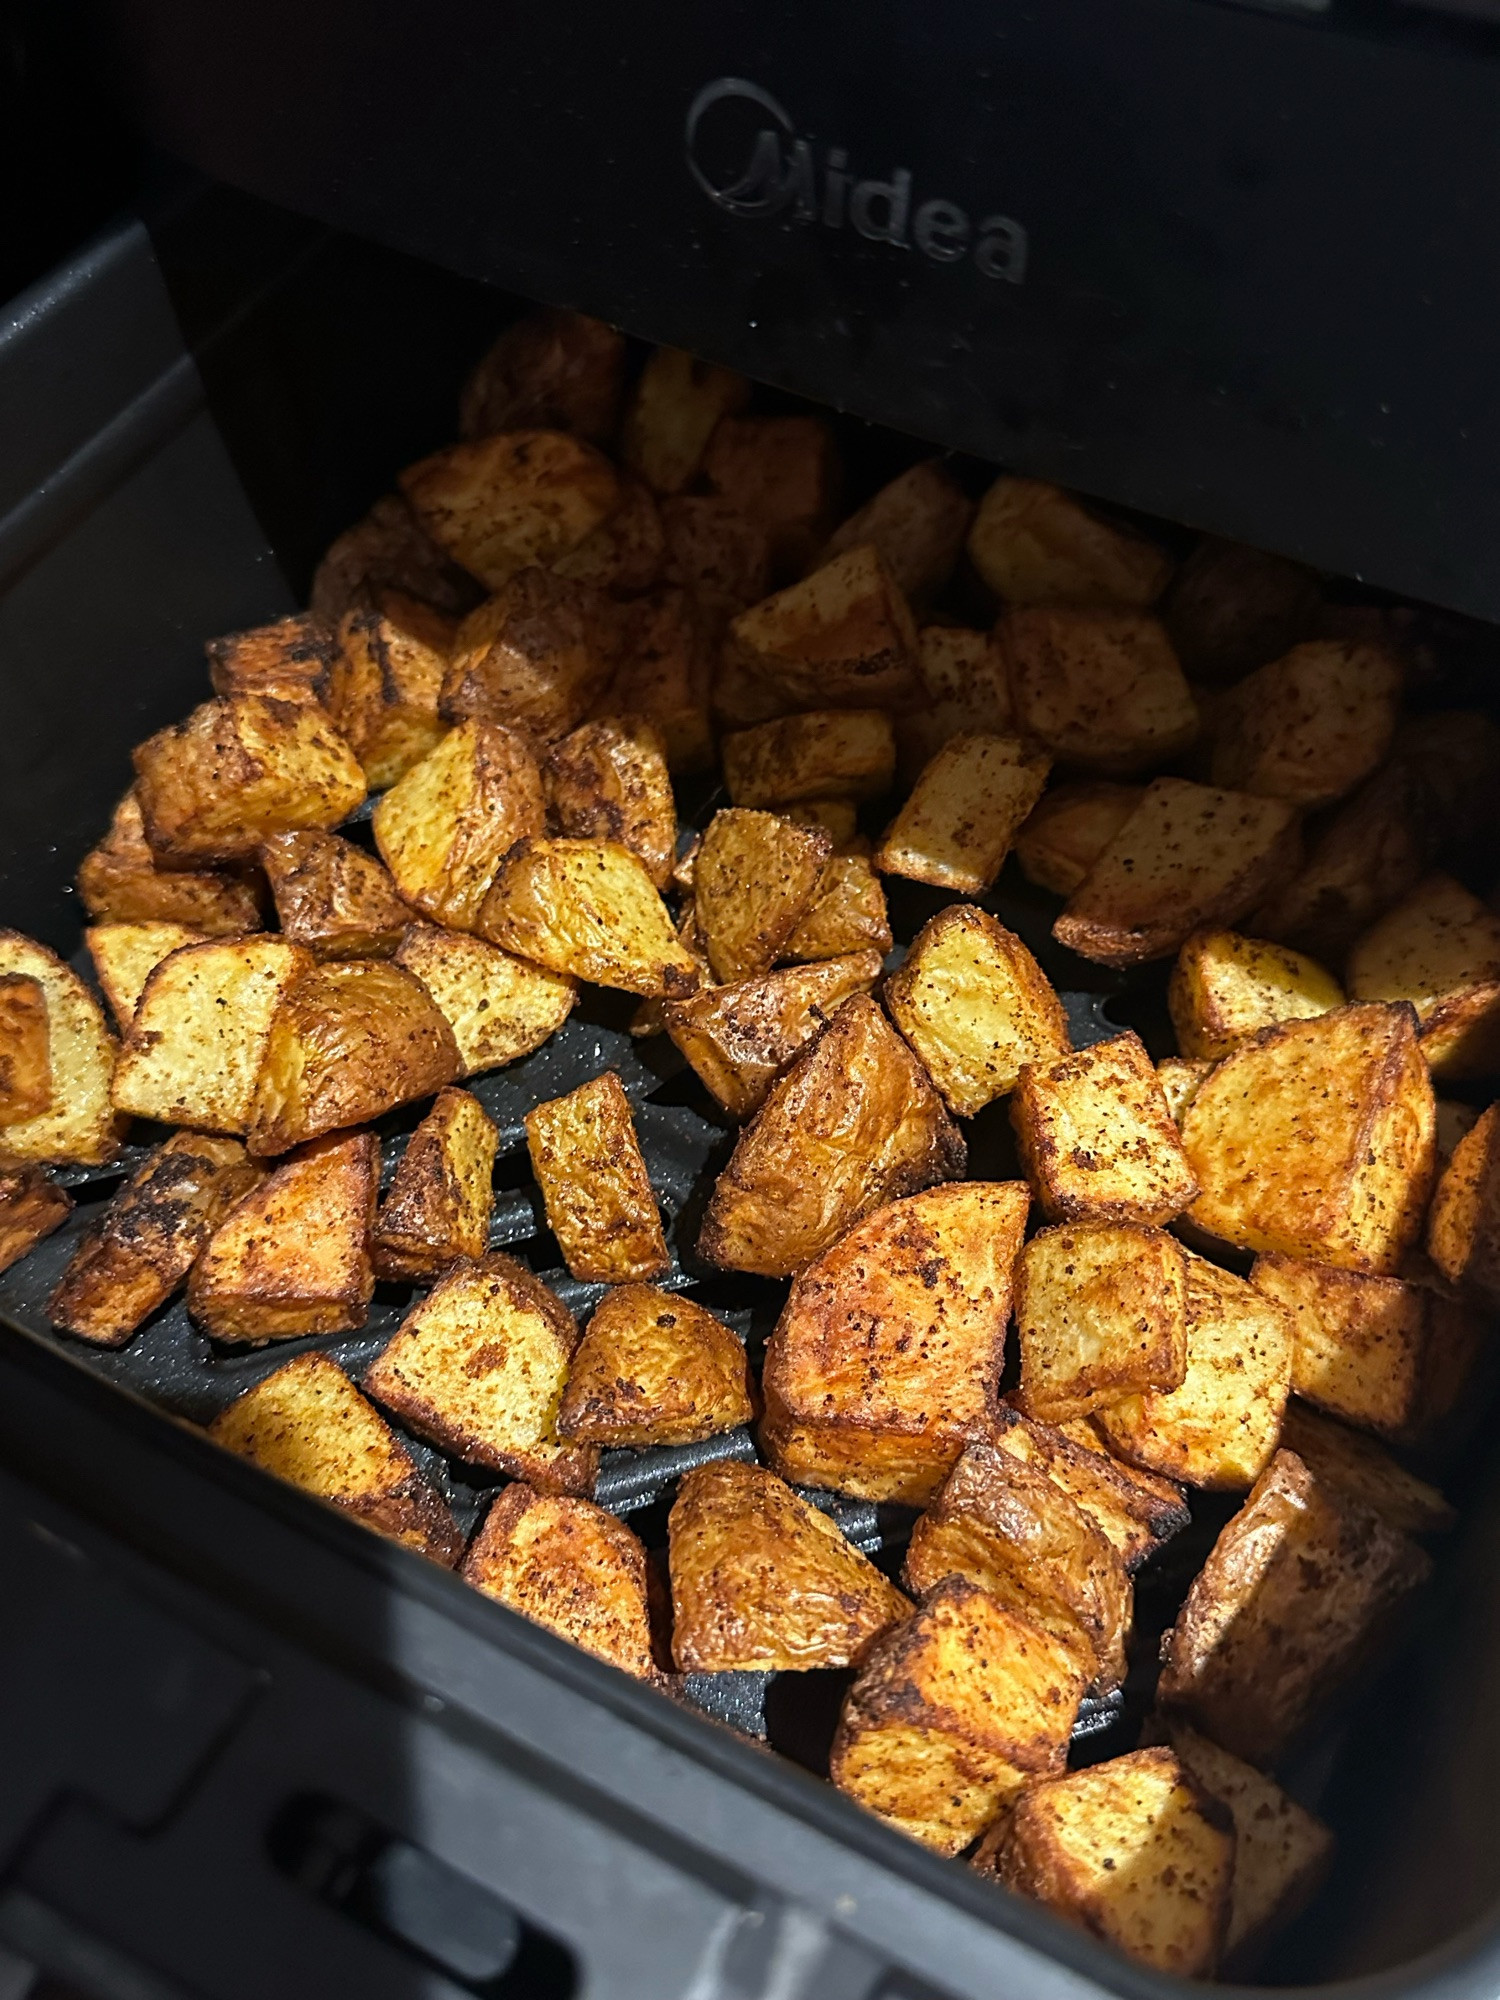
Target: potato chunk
[
  {"x": 533, "y": 658},
  {"x": 1035, "y": 544},
  {"x": 719, "y": 555},
  {"x": 824, "y": 754},
  {"x": 502, "y": 504},
  {"x": 588, "y": 908},
  {"x": 1232, "y": 609},
  {"x": 1308, "y": 727},
  {"x": 1439, "y": 948},
  {"x": 1131, "y": 1850},
  {"x": 1348, "y": 1462},
  {"x": 384, "y": 686},
  {"x": 388, "y": 549},
  {"x": 847, "y": 914},
  {"x": 549, "y": 370},
  {"x": 975, "y": 1006},
  {"x": 625, "y": 553},
  {"x": 1180, "y": 1078},
  {"x": 966, "y": 680},
  {"x": 76, "y": 1122},
  {"x": 1316, "y": 1138},
  {"x": 782, "y": 472},
  {"x": 739, "y": 1038},
  {"x": 566, "y": 1564},
  {"x": 1370, "y": 854},
  {"x": 332, "y": 896},
  {"x": 1225, "y": 987},
  {"x": 754, "y": 878},
  {"x": 125, "y": 956},
  {"x": 1096, "y": 1138},
  {"x": 1290, "y": 1601},
  {"x": 236, "y": 771},
  {"x": 963, "y": 814},
  {"x": 854, "y": 1123},
  {"x": 293, "y": 1256},
  {"x": 608, "y": 780},
  {"x": 308, "y": 1424},
  {"x": 654, "y": 1368},
  {"x": 119, "y": 882},
  {"x": 1101, "y": 1313},
  {"x": 1463, "y": 1230},
  {"x": 1100, "y": 690},
  {"x": 886, "y": 1359},
  {"x": 31, "y": 1207},
  {"x": 293, "y": 658},
  {"x": 763, "y": 1582},
  {"x": 499, "y": 1007},
  {"x": 842, "y": 638},
  {"x": 25, "y": 1049},
  {"x": 1069, "y": 828},
  {"x": 1187, "y": 857},
  {"x": 143, "y": 1246},
  {"x": 438, "y": 1208},
  {"x": 673, "y": 411},
  {"x": 952, "y": 1712},
  {"x": 593, "y": 1177},
  {"x": 1133, "y": 1509},
  {"x": 918, "y": 522},
  {"x": 478, "y": 1367},
  {"x": 664, "y": 672}
]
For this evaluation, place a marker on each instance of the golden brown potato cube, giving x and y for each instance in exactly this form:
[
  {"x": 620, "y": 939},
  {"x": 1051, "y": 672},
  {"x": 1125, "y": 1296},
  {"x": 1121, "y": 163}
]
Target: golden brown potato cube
[
  {"x": 1134, "y": 1510},
  {"x": 333, "y": 897},
  {"x": 841, "y": 638},
  {"x": 1439, "y": 948},
  {"x": 125, "y": 956},
  {"x": 1219, "y": 1427},
  {"x": 673, "y": 410},
  {"x": 534, "y": 658},
  {"x": 566, "y": 1564},
  {"x": 966, "y": 682},
  {"x": 384, "y": 685},
  {"x": 918, "y": 522},
  {"x": 293, "y": 1257},
  {"x": 593, "y": 1178},
  {"x": 754, "y": 879},
  {"x": 1179, "y": 1077},
  {"x": 120, "y": 882},
  {"x": 1348, "y": 1462},
  {"x": 308, "y": 1424},
  {"x": 886, "y": 1359},
  {"x": 963, "y": 815},
  {"x": 847, "y": 914},
  {"x": 1101, "y": 690},
  {"x": 1309, "y": 726},
  {"x": 1132, "y": 1850},
  {"x": 1034, "y": 544},
  {"x": 975, "y": 1006},
  {"x": 783, "y": 472},
  {"x": 388, "y": 549},
  {"x": 499, "y": 1007},
  {"x": 1316, "y": 1138},
  {"x": 625, "y": 553},
  {"x": 1096, "y": 1137},
  {"x": 549, "y": 370},
  {"x": 824, "y": 754},
  {"x": 1188, "y": 856},
  {"x": 1463, "y": 1230},
  {"x": 854, "y": 1123},
  {"x": 236, "y": 771},
  {"x": 740, "y": 1038},
  {"x": 1232, "y": 609},
  {"x": 76, "y": 1123},
  {"x": 478, "y": 1368},
  {"x": 293, "y": 658},
  {"x": 608, "y": 780},
  {"x": 1295, "y": 1591},
  {"x": 665, "y": 668},
  {"x": 31, "y": 1207},
  {"x": 142, "y": 1247},
  {"x": 1101, "y": 1313},
  {"x": 1225, "y": 987},
  {"x": 764, "y": 1583},
  {"x": 588, "y": 908},
  {"x": 951, "y": 1713},
  {"x": 502, "y": 504},
  {"x": 654, "y": 1368},
  {"x": 25, "y": 1049},
  {"x": 438, "y": 1208},
  {"x": 716, "y": 553},
  {"x": 1069, "y": 828}
]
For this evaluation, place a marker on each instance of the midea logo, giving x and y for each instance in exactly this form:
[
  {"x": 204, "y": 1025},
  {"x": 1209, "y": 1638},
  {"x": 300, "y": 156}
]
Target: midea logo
[{"x": 783, "y": 174}]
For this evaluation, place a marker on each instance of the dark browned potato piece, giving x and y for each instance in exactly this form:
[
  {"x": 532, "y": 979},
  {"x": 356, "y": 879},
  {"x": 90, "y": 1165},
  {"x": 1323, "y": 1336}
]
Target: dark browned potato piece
[
  {"x": 384, "y": 686},
  {"x": 438, "y": 1207},
  {"x": 502, "y": 504},
  {"x": 754, "y": 877},
  {"x": 609, "y": 780},
  {"x": 1348, "y": 1462},
  {"x": 1463, "y": 1229},
  {"x": 830, "y": 753},
  {"x": 625, "y": 553},
  {"x": 717, "y": 553},
  {"x": 1069, "y": 828},
  {"x": 1232, "y": 608},
  {"x": 25, "y": 1049},
  {"x": 843, "y": 637},
  {"x": 1136, "y": 1511},
  {"x": 535, "y": 657},
  {"x": 31, "y": 1207},
  {"x": 654, "y": 1368},
  {"x": 593, "y": 1178},
  {"x": 332, "y": 896},
  {"x": 918, "y": 522},
  {"x": 293, "y": 657},
  {"x": 1035, "y": 544},
  {"x": 119, "y": 882},
  {"x": 671, "y": 417},
  {"x": 389, "y": 550},
  {"x": 784, "y": 473},
  {"x": 1101, "y": 690},
  {"x": 551, "y": 370},
  {"x": 666, "y": 650},
  {"x": 1096, "y": 1138}
]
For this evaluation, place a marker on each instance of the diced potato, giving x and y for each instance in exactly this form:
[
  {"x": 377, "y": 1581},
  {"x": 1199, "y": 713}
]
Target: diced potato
[
  {"x": 499, "y": 1007},
  {"x": 566, "y": 1564},
  {"x": 589, "y": 909},
  {"x": 119, "y": 882},
  {"x": 1374, "y": 850},
  {"x": 918, "y": 522},
  {"x": 1069, "y": 828},
  {"x": 438, "y": 1208},
  {"x": 1180, "y": 1078},
  {"x": 674, "y": 408},
  {"x": 499, "y": 505},
  {"x": 31, "y": 1207},
  {"x": 854, "y": 1123},
  {"x": 739, "y": 1038},
  {"x": 388, "y": 550},
  {"x": 1188, "y": 857},
  {"x": 1440, "y": 949},
  {"x": 333, "y": 897},
  {"x": 308, "y": 1424},
  {"x": 1232, "y": 609},
  {"x": 1316, "y": 1138},
  {"x": 625, "y": 554},
  {"x": 975, "y": 1006},
  {"x": 589, "y": 1165},
  {"x": 1219, "y": 1428},
  {"x": 1296, "y": 1589},
  {"x": 125, "y": 956},
  {"x": 783, "y": 472},
  {"x": 141, "y": 1248},
  {"x": 1097, "y": 1140},
  {"x": 963, "y": 815},
  {"x": 824, "y": 754},
  {"x": 762, "y": 1582},
  {"x": 1101, "y": 690},
  {"x": 608, "y": 780},
  {"x": 292, "y": 658},
  {"x": 754, "y": 879},
  {"x": 1132, "y": 1850},
  {"x": 1356, "y": 1466},
  {"x": 236, "y": 771},
  {"x": 478, "y": 1367},
  {"x": 950, "y": 1715},
  {"x": 549, "y": 370},
  {"x": 841, "y": 638},
  {"x": 1463, "y": 1230},
  {"x": 1035, "y": 544},
  {"x": 293, "y": 1257},
  {"x": 1134, "y": 1510},
  {"x": 886, "y": 1359},
  {"x": 25, "y": 1049},
  {"x": 719, "y": 555},
  {"x": 847, "y": 914},
  {"x": 838, "y": 818},
  {"x": 966, "y": 681},
  {"x": 1454, "y": 759},
  {"x": 384, "y": 686},
  {"x": 534, "y": 658},
  {"x": 1225, "y": 987},
  {"x": 1308, "y": 727},
  {"x": 444, "y": 828},
  {"x": 665, "y": 668},
  {"x": 76, "y": 1124},
  {"x": 654, "y": 1368},
  {"x": 741, "y": 696},
  {"x": 1101, "y": 1313},
  {"x": 1453, "y": 1121}
]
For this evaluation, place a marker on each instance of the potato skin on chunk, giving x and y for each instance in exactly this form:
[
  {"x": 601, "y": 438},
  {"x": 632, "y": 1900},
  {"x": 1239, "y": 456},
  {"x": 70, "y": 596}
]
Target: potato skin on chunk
[
  {"x": 1135, "y": 1510},
  {"x": 740, "y": 1037},
  {"x": 754, "y": 877},
  {"x": 1069, "y": 828},
  {"x": 1225, "y": 987},
  {"x": 1101, "y": 1313},
  {"x": 1035, "y": 544},
  {"x": 25, "y": 1048},
  {"x": 1463, "y": 1230},
  {"x": 498, "y": 505},
  {"x": 589, "y": 909},
  {"x": 31, "y": 1207},
  {"x": 384, "y": 686},
  {"x": 655, "y": 1368},
  {"x": 1101, "y": 690},
  {"x": 550, "y": 370},
  {"x": 119, "y": 881},
  {"x": 593, "y": 1177},
  {"x": 1096, "y": 1138},
  {"x": 533, "y": 658},
  {"x": 608, "y": 780},
  {"x": 333, "y": 897},
  {"x": 438, "y": 1209},
  {"x": 837, "y": 753}
]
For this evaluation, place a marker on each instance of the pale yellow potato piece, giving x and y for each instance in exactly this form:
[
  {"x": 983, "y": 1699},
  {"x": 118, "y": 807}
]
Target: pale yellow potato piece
[
  {"x": 918, "y": 522},
  {"x": 1348, "y": 1462},
  {"x": 754, "y": 878},
  {"x": 500, "y": 504},
  {"x": 119, "y": 882},
  {"x": 332, "y": 896},
  {"x": 293, "y": 657},
  {"x": 666, "y": 663},
  {"x": 1069, "y": 828},
  {"x": 1225, "y": 987},
  {"x": 438, "y": 1207},
  {"x": 589, "y": 909},
  {"x": 1101, "y": 1313},
  {"x": 964, "y": 812},
  {"x": 782, "y": 472},
  {"x": 825, "y": 754},
  {"x": 1439, "y": 948},
  {"x": 593, "y": 1177},
  {"x": 384, "y": 686},
  {"x": 841, "y": 638},
  {"x": 1100, "y": 690},
  {"x": 655, "y": 1368},
  {"x": 551, "y": 369},
  {"x": 499, "y": 1007},
  {"x": 1233, "y": 608},
  {"x": 847, "y": 913},
  {"x": 740, "y": 1037},
  {"x": 673, "y": 410},
  {"x": 1034, "y": 544},
  {"x": 1308, "y": 727},
  {"x": 535, "y": 657},
  {"x": 1179, "y": 1077},
  {"x": 126, "y": 954},
  {"x": 1463, "y": 1230},
  {"x": 1133, "y": 1509},
  {"x": 1097, "y": 1139},
  {"x": 609, "y": 780}
]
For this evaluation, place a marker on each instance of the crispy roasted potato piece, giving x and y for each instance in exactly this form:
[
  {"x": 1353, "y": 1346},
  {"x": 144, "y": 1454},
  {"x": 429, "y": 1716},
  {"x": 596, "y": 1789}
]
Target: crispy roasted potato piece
[
  {"x": 739, "y": 1038},
  {"x": 963, "y": 814},
  {"x": 333, "y": 897},
  {"x": 1454, "y": 1120},
  {"x": 918, "y": 522},
  {"x": 1296, "y": 1589},
  {"x": 308, "y": 1424},
  {"x": 1180, "y": 1077},
  {"x": 589, "y": 1165},
  {"x": 1349, "y": 1463},
  {"x": 142, "y": 1247},
  {"x": 824, "y": 754},
  {"x": 952, "y": 1712},
  {"x": 608, "y": 780},
  {"x": 125, "y": 956},
  {"x": 293, "y": 1256},
  {"x": 847, "y": 914},
  {"x": 1097, "y": 1140},
  {"x": 502, "y": 504},
  {"x": 1376, "y": 848},
  {"x": 763, "y": 1582},
  {"x": 1439, "y": 948},
  {"x": 1225, "y": 987},
  {"x": 754, "y": 878},
  {"x": 886, "y": 1359},
  {"x": 1308, "y": 727},
  {"x": 498, "y": 1006},
  {"x": 673, "y": 410},
  {"x": 1035, "y": 544},
  {"x": 478, "y": 1367},
  {"x": 25, "y": 1049},
  {"x": 838, "y": 818},
  {"x": 1101, "y": 1313},
  {"x": 76, "y": 1122},
  {"x": 384, "y": 685},
  {"x": 1069, "y": 828},
  {"x": 966, "y": 682},
  {"x": 1188, "y": 857},
  {"x": 1101, "y": 690},
  {"x": 854, "y": 1123},
  {"x": 1133, "y": 1850},
  {"x": 719, "y": 555},
  {"x": 665, "y": 655},
  {"x": 549, "y": 370},
  {"x": 741, "y": 696},
  {"x": 535, "y": 657},
  {"x": 1134, "y": 1510},
  {"x": 566, "y": 1564},
  {"x": 293, "y": 657},
  {"x": 438, "y": 1209},
  {"x": 236, "y": 771},
  {"x": 783, "y": 472},
  {"x": 1463, "y": 1230},
  {"x": 654, "y": 1368},
  {"x": 389, "y": 550},
  {"x": 1232, "y": 609},
  {"x": 625, "y": 553},
  {"x": 975, "y": 1006},
  {"x": 588, "y": 908},
  {"x": 841, "y": 638},
  {"x": 1316, "y": 1138},
  {"x": 31, "y": 1207},
  {"x": 119, "y": 882}
]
